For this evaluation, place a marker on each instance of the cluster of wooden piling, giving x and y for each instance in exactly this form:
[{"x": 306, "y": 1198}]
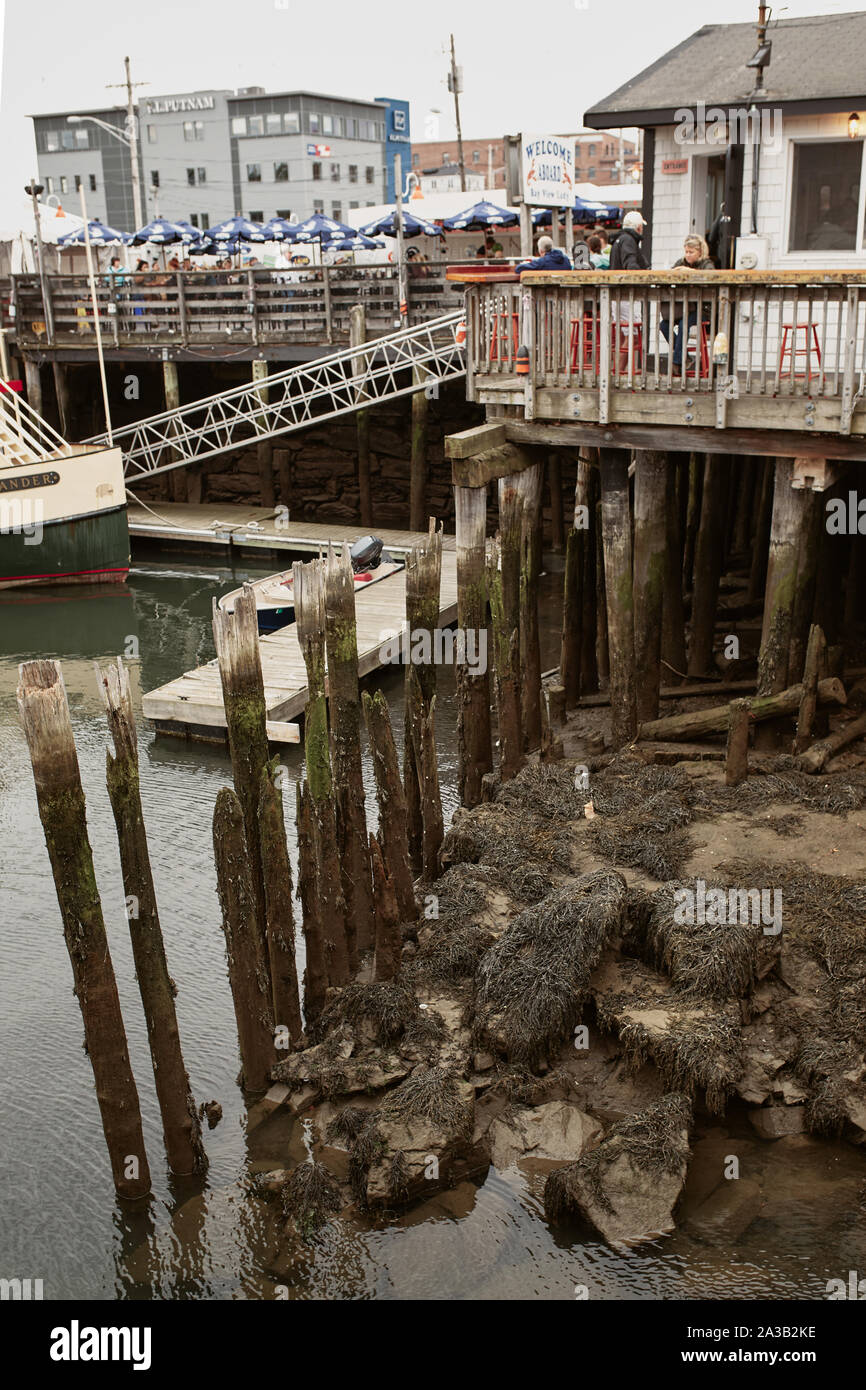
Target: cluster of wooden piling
[{"x": 45, "y": 716}]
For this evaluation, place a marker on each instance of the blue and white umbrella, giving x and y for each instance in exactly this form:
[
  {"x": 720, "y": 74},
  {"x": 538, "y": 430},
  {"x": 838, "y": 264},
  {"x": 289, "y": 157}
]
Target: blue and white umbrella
[
  {"x": 236, "y": 229},
  {"x": 280, "y": 229},
  {"x": 161, "y": 233},
  {"x": 481, "y": 215},
  {"x": 412, "y": 226},
  {"x": 585, "y": 210},
  {"x": 358, "y": 242},
  {"x": 325, "y": 230},
  {"x": 99, "y": 235}
]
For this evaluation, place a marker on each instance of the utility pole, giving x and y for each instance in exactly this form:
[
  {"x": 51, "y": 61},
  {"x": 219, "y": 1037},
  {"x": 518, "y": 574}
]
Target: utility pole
[
  {"x": 132, "y": 133},
  {"x": 455, "y": 85}
]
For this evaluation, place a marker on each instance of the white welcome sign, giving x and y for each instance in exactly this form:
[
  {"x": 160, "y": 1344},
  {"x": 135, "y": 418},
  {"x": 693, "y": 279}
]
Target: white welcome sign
[{"x": 548, "y": 171}]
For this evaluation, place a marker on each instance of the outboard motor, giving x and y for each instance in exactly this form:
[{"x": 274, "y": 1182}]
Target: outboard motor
[{"x": 366, "y": 554}]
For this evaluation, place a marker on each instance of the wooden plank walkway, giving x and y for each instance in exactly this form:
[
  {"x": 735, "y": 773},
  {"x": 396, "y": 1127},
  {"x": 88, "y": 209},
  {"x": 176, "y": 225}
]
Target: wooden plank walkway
[
  {"x": 208, "y": 523},
  {"x": 193, "y": 703}
]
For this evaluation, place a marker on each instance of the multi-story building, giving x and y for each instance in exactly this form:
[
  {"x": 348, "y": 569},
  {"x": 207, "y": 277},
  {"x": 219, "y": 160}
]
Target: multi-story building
[
  {"x": 604, "y": 156},
  {"x": 213, "y": 154},
  {"x": 601, "y": 156},
  {"x": 485, "y": 157}
]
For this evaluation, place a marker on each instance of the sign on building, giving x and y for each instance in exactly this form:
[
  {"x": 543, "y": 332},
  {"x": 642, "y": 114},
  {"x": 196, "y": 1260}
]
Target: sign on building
[{"x": 548, "y": 171}]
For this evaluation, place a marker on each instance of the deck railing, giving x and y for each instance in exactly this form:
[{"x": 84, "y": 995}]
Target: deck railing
[
  {"x": 194, "y": 308},
  {"x": 24, "y": 436},
  {"x": 743, "y": 336}
]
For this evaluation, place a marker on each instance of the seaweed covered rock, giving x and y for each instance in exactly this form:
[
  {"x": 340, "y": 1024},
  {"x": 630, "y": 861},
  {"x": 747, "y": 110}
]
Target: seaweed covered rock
[
  {"x": 556, "y": 1130},
  {"x": 414, "y": 1140},
  {"x": 532, "y": 983},
  {"x": 628, "y": 1187}
]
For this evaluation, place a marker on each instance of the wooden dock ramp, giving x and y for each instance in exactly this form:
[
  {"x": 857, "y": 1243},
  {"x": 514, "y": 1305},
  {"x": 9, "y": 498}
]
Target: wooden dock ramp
[{"x": 192, "y": 705}]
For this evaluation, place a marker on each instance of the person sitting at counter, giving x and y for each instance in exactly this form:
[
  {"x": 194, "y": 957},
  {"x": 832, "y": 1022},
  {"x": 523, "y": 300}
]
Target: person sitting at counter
[{"x": 549, "y": 258}]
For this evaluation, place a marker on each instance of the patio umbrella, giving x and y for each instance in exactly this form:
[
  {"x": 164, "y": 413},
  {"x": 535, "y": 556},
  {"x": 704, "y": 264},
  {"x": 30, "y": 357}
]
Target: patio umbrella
[
  {"x": 100, "y": 235},
  {"x": 280, "y": 229},
  {"x": 236, "y": 229},
  {"x": 479, "y": 216},
  {"x": 358, "y": 242},
  {"x": 323, "y": 229},
  {"x": 161, "y": 233},
  {"x": 585, "y": 210},
  {"x": 412, "y": 226}
]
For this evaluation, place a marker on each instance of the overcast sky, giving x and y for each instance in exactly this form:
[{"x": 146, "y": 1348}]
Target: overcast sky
[{"x": 530, "y": 65}]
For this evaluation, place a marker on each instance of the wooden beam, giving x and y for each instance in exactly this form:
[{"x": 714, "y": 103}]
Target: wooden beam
[
  {"x": 468, "y": 442},
  {"x": 490, "y": 465},
  {"x": 570, "y": 434}
]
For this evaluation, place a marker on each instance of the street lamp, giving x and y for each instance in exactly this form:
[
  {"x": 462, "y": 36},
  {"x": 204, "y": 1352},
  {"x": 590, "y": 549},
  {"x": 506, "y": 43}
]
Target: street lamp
[{"x": 130, "y": 140}]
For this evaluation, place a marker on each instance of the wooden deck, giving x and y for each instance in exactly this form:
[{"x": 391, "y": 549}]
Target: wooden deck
[
  {"x": 192, "y": 705},
  {"x": 259, "y": 528}
]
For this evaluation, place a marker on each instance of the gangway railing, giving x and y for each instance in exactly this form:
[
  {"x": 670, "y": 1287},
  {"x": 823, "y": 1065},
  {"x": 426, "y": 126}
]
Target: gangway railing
[
  {"x": 385, "y": 368},
  {"x": 24, "y": 436}
]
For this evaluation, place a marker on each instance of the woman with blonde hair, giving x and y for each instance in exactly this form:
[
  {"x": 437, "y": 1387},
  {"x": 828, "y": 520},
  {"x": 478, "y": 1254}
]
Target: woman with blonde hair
[{"x": 696, "y": 256}]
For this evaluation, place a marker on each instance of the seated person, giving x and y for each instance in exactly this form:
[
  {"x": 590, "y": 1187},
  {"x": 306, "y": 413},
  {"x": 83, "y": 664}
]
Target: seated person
[
  {"x": 549, "y": 258},
  {"x": 696, "y": 256}
]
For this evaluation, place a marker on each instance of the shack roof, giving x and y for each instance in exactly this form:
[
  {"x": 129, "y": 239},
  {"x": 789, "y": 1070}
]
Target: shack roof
[{"x": 818, "y": 63}]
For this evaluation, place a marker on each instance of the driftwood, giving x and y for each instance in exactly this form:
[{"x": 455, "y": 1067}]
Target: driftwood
[
  {"x": 696, "y": 723},
  {"x": 820, "y": 753}
]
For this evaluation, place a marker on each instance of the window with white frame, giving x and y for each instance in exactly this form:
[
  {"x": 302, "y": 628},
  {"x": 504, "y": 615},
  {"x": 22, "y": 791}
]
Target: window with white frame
[{"x": 826, "y": 184}]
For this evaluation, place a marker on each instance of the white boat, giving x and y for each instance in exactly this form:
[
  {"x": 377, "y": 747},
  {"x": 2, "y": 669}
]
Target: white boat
[{"x": 275, "y": 603}]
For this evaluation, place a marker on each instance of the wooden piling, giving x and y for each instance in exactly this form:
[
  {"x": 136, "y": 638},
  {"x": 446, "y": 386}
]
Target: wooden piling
[
  {"x": 763, "y": 521},
  {"x": 61, "y": 391},
  {"x": 616, "y": 540},
  {"x": 33, "y": 382},
  {"x": 571, "y": 650},
  {"x": 693, "y": 512},
  {"x": 805, "y": 584},
  {"x": 507, "y": 655},
  {"x": 171, "y": 388},
  {"x": 236, "y": 637},
  {"x": 389, "y": 940},
  {"x": 650, "y": 481},
  {"x": 709, "y": 555},
  {"x": 392, "y": 802},
  {"x": 673, "y": 652},
  {"x": 473, "y": 686},
  {"x": 505, "y": 646},
  {"x": 264, "y": 447},
  {"x": 358, "y": 335},
  {"x": 338, "y": 943},
  {"x": 602, "y": 647},
  {"x": 554, "y": 487},
  {"x": 424, "y": 739},
  {"x": 785, "y": 538},
  {"x": 737, "y": 752},
  {"x": 418, "y": 454},
  {"x": 423, "y": 581},
  {"x": 277, "y": 872},
  {"x": 245, "y": 951},
  {"x": 529, "y": 487},
  {"x": 45, "y": 716},
  {"x": 316, "y": 972},
  {"x": 180, "y": 1122},
  {"x": 592, "y": 607},
  {"x": 816, "y": 656},
  {"x": 345, "y": 707}
]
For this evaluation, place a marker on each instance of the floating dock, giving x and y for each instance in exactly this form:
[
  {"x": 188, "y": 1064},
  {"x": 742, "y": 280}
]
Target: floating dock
[
  {"x": 193, "y": 524},
  {"x": 192, "y": 705}
]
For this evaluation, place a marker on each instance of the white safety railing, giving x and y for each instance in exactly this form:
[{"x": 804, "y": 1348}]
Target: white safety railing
[
  {"x": 24, "y": 436},
  {"x": 383, "y": 369}
]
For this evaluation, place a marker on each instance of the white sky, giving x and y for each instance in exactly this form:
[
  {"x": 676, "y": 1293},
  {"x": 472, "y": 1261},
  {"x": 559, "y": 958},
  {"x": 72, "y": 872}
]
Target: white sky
[{"x": 531, "y": 66}]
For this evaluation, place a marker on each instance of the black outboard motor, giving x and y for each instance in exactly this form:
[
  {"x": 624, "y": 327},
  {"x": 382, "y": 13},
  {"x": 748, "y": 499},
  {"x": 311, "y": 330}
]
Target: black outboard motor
[{"x": 366, "y": 554}]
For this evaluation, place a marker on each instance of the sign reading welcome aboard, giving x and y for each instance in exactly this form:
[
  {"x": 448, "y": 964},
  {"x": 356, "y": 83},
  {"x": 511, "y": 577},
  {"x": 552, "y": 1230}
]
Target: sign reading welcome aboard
[{"x": 548, "y": 171}]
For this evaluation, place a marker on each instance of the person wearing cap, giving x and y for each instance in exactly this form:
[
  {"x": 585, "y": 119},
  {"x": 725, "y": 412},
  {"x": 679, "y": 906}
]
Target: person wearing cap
[
  {"x": 626, "y": 253},
  {"x": 549, "y": 258}
]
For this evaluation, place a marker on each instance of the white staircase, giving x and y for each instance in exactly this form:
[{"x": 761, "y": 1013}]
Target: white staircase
[
  {"x": 398, "y": 364},
  {"x": 26, "y": 438}
]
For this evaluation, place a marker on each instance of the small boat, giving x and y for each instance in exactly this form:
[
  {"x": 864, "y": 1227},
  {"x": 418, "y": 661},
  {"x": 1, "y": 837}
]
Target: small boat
[
  {"x": 62, "y": 506},
  {"x": 275, "y": 606}
]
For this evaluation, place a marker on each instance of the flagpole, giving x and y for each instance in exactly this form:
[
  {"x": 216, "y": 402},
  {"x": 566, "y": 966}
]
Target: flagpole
[{"x": 96, "y": 322}]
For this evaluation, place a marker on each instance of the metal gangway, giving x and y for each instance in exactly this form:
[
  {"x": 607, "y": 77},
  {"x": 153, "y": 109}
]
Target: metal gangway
[{"x": 397, "y": 364}]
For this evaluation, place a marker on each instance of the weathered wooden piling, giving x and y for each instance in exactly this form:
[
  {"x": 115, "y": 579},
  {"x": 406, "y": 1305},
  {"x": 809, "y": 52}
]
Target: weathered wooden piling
[
  {"x": 236, "y": 637},
  {"x": 505, "y": 646},
  {"x": 507, "y": 642},
  {"x": 709, "y": 555},
  {"x": 616, "y": 540},
  {"x": 389, "y": 940},
  {"x": 278, "y": 906},
  {"x": 805, "y": 584},
  {"x": 673, "y": 651},
  {"x": 601, "y": 644},
  {"x": 529, "y": 486},
  {"x": 338, "y": 944},
  {"x": 816, "y": 656},
  {"x": 699, "y": 722},
  {"x": 180, "y": 1122},
  {"x": 763, "y": 520},
  {"x": 392, "y": 802},
  {"x": 592, "y": 606},
  {"x": 571, "y": 651},
  {"x": 45, "y": 716},
  {"x": 423, "y": 581},
  {"x": 424, "y": 740},
  {"x": 785, "y": 538},
  {"x": 650, "y": 481},
  {"x": 554, "y": 487},
  {"x": 345, "y": 707},
  {"x": 473, "y": 684},
  {"x": 316, "y": 971},
  {"x": 249, "y": 977},
  {"x": 737, "y": 751},
  {"x": 692, "y": 517}
]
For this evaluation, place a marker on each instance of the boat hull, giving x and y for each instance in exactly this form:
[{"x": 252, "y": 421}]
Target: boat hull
[{"x": 64, "y": 522}]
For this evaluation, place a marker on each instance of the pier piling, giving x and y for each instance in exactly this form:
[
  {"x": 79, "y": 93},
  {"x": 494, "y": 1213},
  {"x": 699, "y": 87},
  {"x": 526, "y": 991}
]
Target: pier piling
[
  {"x": 529, "y": 487},
  {"x": 473, "y": 684},
  {"x": 392, "y": 802},
  {"x": 650, "y": 481},
  {"x": 277, "y": 873},
  {"x": 616, "y": 540}
]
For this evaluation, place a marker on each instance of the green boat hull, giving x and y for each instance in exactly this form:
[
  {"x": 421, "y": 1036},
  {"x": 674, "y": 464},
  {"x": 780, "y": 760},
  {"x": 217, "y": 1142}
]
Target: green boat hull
[{"x": 83, "y": 549}]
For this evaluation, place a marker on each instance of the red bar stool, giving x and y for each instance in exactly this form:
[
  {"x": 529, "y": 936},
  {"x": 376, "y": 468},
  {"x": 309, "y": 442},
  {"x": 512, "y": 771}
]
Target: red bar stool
[
  {"x": 810, "y": 345},
  {"x": 622, "y": 332},
  {"x": 500, "y": 333},
  {"x": 702, "y": 353},
  {"x": 582, "y": 341}
]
